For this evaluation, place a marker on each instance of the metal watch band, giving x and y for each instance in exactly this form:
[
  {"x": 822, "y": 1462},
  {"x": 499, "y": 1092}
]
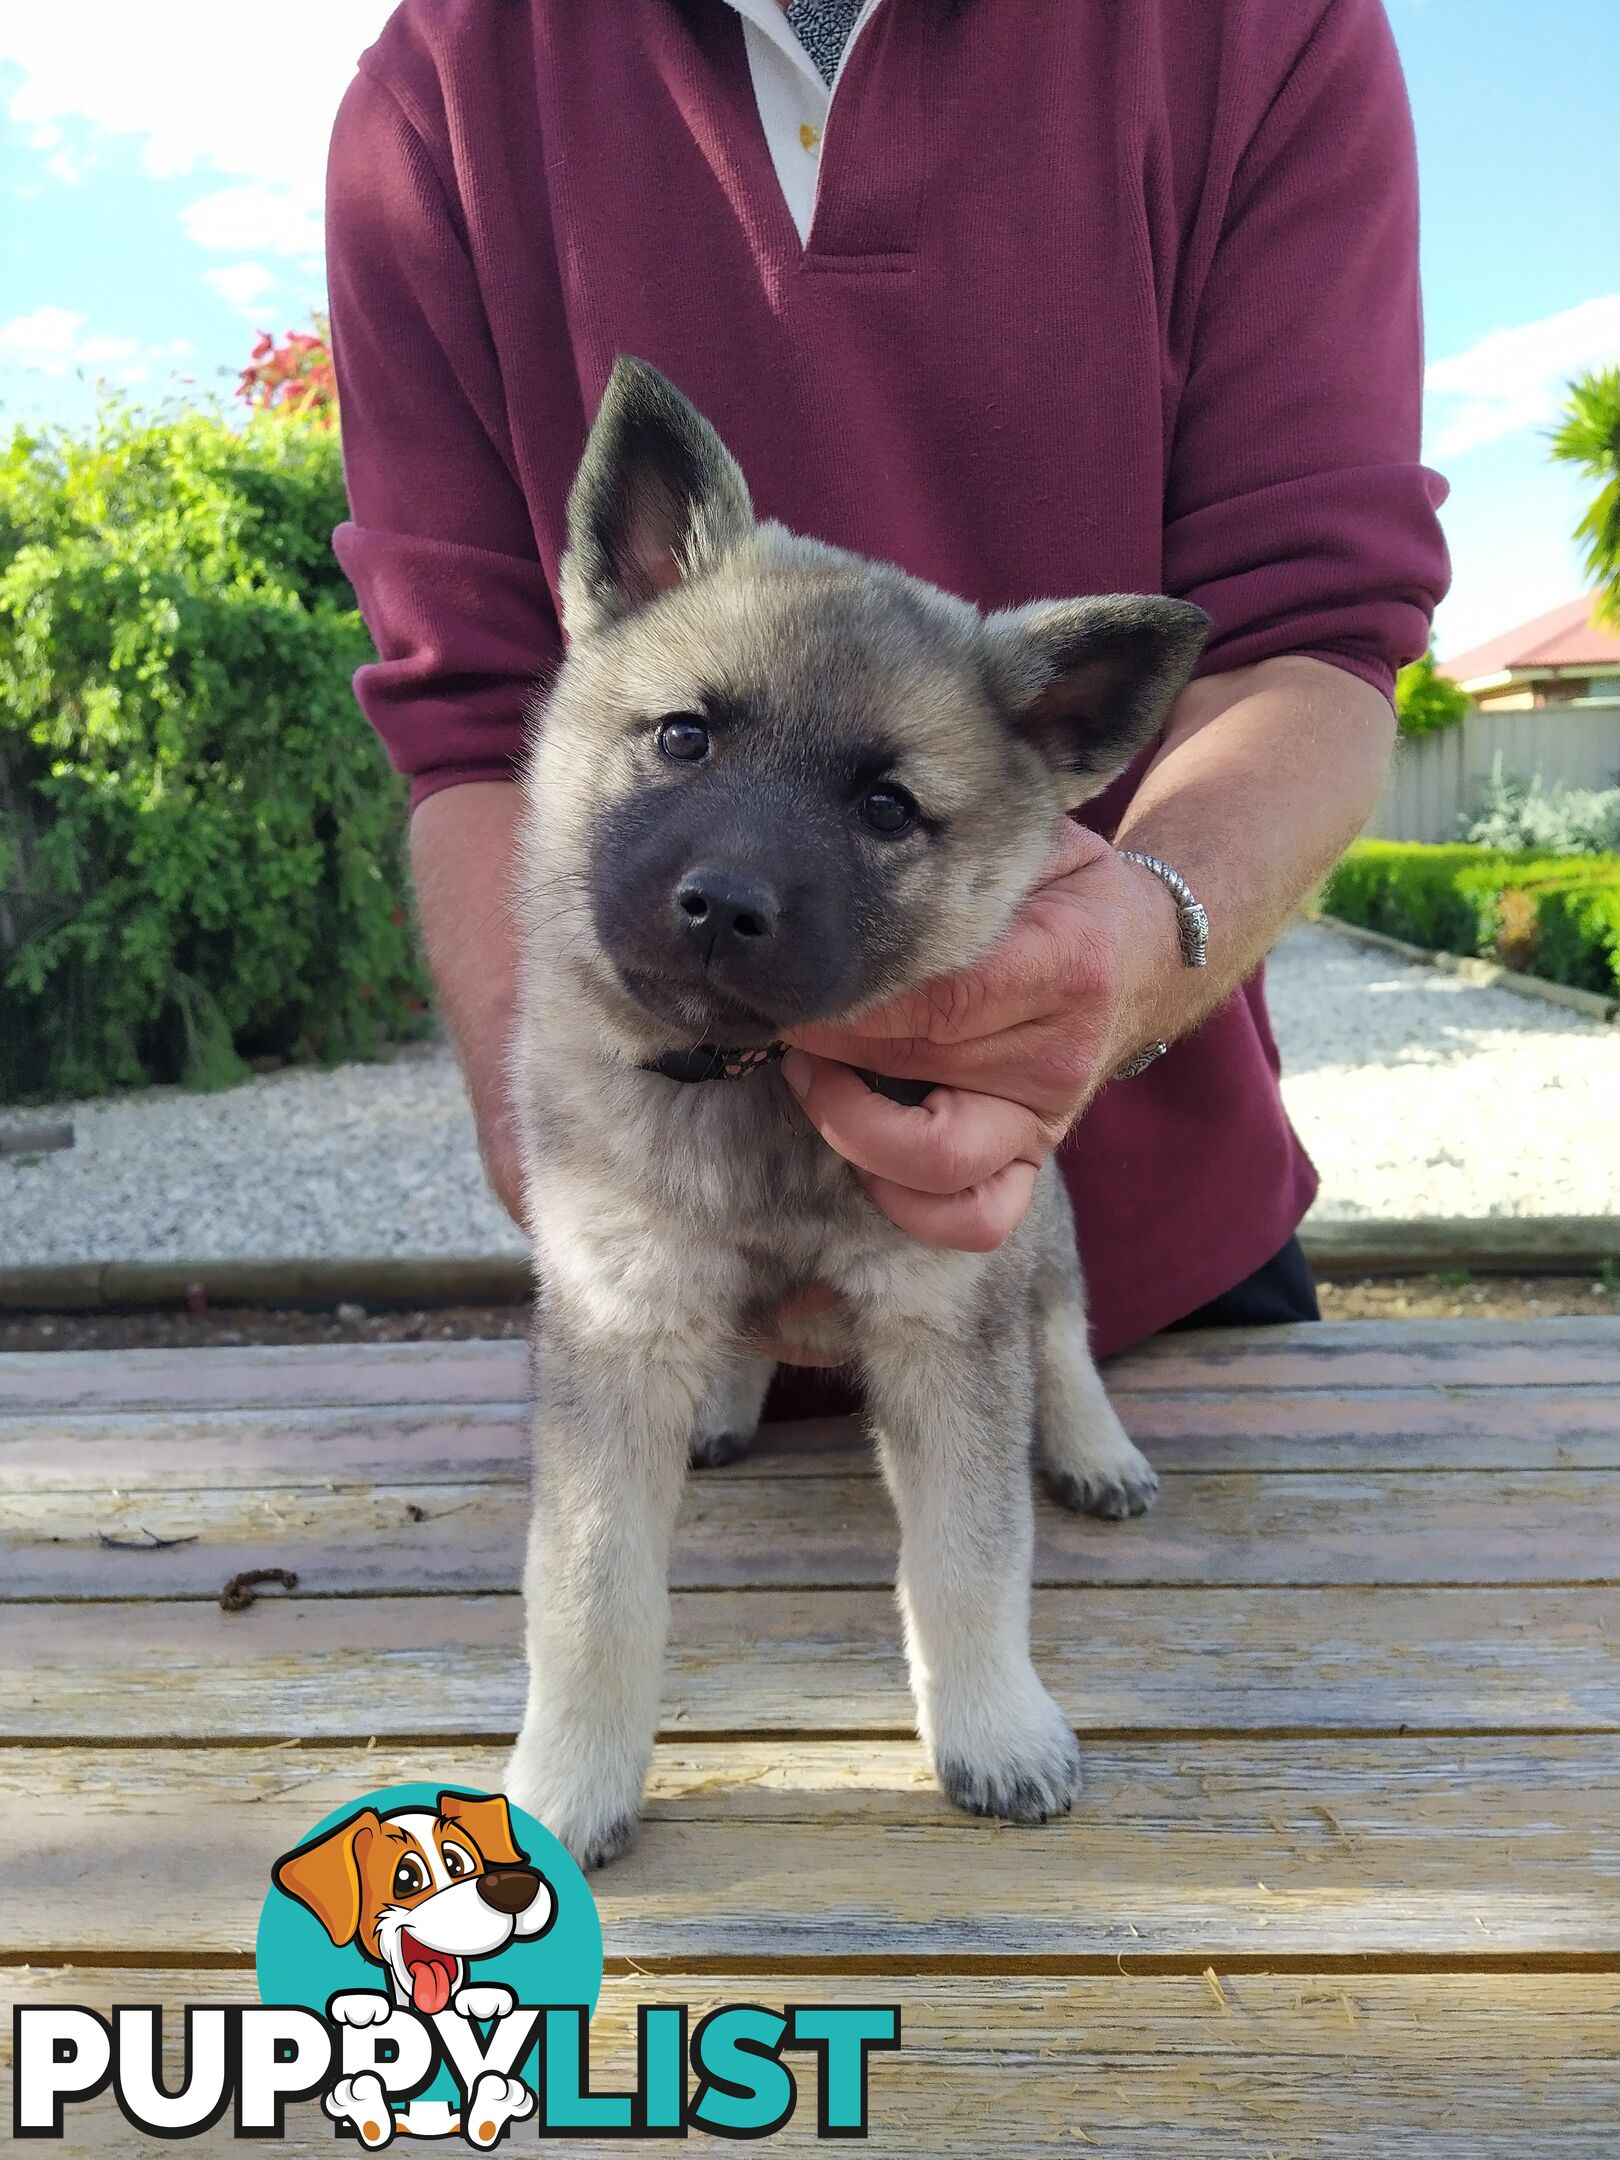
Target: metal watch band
[{"x": 1191, "y": 920}]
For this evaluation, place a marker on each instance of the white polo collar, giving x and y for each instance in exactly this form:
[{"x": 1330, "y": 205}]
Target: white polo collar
[{"x": 793, "y": 100}]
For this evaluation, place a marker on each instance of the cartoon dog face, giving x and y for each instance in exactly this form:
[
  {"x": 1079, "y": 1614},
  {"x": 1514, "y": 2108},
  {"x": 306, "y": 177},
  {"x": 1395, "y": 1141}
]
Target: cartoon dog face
[{"x": 420, "y": 1893}]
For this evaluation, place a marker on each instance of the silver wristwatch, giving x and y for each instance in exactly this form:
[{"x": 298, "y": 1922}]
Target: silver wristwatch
[{"x": 1192, "y": 925}]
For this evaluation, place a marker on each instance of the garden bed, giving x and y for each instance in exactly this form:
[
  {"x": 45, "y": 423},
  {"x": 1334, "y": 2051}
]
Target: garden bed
[{"x": 1553, "y": 916}]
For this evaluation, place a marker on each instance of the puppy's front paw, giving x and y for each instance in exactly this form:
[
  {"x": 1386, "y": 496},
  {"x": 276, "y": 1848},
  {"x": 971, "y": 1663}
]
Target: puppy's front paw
[
  {"x": 598, "y": 1840},
  {"x": 1021, "y": 1762},
  {"x": 594, "y": 1813},
  {"x": 712, "y": 1451},
  {"x": 361, "y": 2008},
  {"x": 362, "y": 2103},
  {"x": 1113, "y": 1480},
  {"x": 484, "y": 2002},
  {"x": 494, "y": 2102}
]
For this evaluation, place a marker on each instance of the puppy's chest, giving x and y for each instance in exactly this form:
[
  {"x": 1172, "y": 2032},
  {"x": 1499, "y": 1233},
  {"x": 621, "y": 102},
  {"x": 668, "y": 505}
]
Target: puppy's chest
[
  {"x": 703, "y": 1171},
  {"x": 742, "y": 1165}
]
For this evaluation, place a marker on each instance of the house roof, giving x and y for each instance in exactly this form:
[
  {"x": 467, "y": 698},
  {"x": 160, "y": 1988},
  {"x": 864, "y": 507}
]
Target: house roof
[{"x": 1565, "y": 638}]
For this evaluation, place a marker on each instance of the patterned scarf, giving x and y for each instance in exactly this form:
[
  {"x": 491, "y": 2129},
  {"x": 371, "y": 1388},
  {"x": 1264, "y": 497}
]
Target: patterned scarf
[{"x": 822, "y": 27}]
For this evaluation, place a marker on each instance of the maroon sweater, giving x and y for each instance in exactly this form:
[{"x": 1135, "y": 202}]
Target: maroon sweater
[{"x": 1098, "y": 298}]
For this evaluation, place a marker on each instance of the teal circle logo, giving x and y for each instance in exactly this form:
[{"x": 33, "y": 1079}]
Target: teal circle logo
[{"x": 428, "y": 1899}]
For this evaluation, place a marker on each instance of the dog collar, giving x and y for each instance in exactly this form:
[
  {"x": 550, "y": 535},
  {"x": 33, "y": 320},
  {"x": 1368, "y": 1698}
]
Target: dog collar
[
  {"x": 711, "y": 1064},
  {"x": 700, "y": 1064}
]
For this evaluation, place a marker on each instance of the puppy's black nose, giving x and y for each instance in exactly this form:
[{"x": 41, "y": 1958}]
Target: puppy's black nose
[
  {"x": 509, "y": 1889},
  {"x": 728, "y": 907}
]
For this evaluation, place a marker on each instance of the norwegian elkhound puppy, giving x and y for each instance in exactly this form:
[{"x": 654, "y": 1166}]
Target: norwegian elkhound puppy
[{"x": 774, "y": 783}]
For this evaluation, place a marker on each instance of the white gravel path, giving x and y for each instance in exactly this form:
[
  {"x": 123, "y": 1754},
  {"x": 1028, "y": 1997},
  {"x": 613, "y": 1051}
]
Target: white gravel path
[{"x": 1417, "y": 1094}]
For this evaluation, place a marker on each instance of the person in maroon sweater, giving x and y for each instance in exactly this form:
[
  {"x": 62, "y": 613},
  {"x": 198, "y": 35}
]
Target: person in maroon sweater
[{"x": 1043, "y": 299}]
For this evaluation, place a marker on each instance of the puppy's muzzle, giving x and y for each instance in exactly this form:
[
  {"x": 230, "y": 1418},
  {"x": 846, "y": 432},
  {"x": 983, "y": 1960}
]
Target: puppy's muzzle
[
  {"x": 726, "y": 913},
  {"x": 509, "y": 1890}
]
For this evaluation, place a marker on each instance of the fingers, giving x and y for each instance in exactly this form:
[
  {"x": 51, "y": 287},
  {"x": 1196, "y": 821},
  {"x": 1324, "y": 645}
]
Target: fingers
[
  {"x": 1013, "y": 984},
  {"x": 1073, "y": 847},
  {"x": 1056, "y": 947},
  {"x": 953, "y": 1141},
  {"x": 978, "y": 1220}
]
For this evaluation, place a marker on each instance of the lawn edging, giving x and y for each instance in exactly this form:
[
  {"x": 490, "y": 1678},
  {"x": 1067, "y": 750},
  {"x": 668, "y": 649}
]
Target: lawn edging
[
  {"x": 1497, "y": 1244},
  {"x": 1489, "y": 974}
]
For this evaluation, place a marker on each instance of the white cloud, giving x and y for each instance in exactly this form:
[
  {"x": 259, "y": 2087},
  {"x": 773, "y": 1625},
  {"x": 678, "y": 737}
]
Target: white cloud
[
  {"x": 253, "y": 217},
  {"x": 240, "y": 283},
  {"x": 201, "y": 98},
  {"x": 44, "y": 339},
  {"x": 1515, "y": 378},
  {"x": 49, "y": 342},
  {"x": 94, "y": 350}
]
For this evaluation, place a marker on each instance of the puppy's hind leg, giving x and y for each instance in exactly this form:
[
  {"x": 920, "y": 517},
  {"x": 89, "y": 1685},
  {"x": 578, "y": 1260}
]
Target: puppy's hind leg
[
  {"x": 612, "y": 1424},
  {"x": 953, "y": 1428},
  {"x": 1088, "y": 1460},
  {"x": 729, "y": 1418}
]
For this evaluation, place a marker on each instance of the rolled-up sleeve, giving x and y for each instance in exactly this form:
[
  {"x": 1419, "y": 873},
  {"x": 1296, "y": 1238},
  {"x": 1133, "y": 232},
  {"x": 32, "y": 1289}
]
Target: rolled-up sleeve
[
  {"x": 439, "y": 546},
  {"x": 1297, "y": 511}
]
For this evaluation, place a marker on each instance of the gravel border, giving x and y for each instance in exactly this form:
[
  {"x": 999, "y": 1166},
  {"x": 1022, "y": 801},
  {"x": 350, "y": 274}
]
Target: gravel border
[
  {"x": 1423, "y": 1095},
  {"x": 1490, "y": 973}
]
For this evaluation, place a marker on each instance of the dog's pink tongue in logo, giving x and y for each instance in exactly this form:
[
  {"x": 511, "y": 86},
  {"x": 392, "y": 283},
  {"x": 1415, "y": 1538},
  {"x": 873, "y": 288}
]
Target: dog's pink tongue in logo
[{"x": 431, "y": 1975}]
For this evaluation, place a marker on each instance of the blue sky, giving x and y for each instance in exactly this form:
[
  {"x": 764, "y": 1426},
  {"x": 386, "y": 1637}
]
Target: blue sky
[{"x": 160, "y": 175}]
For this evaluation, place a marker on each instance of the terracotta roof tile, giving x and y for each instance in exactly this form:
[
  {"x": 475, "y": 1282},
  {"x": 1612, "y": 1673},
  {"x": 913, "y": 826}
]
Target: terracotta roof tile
[{"x": 1567, "y": 637}]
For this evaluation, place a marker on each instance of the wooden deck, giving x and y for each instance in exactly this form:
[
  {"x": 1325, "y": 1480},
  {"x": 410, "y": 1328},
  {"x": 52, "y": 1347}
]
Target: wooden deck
[{"x": 1343, "y": 1879}]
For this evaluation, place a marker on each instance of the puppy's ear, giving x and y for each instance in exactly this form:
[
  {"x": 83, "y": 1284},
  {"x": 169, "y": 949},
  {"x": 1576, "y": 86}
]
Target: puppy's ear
[
  {"x": 488, "y": 1823},
  {"x": 658, "y": 498},
  {"x": 325, "y": 1875},
  {"x": 1089, "y": 682}
]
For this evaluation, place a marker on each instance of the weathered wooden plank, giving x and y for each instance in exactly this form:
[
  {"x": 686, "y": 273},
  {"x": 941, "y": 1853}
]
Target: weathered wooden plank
[
  {"x": 1192, "y": 1848},
  {"x": 1331, "y": 1354},
  {"x": 1529, "y": 1428},
  {"x": 1385, "y": 1527},
  {"x": 1448, "y": 2066},
  {"x": 823, "y": 1660},
  {"x": 292, "y": 1376},
  {"x": 1380, "y": 1353}
]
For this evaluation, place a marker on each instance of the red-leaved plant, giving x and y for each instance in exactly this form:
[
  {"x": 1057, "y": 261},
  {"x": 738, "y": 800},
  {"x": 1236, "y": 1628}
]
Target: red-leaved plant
[{"x": 295, "y": 378}]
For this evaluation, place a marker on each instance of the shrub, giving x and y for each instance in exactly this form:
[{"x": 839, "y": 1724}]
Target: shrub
[
  {"x": 295, "y": 379},
  {"x": 1426, "y": 700},
  {"x": 1519, "y": 813},
  {"x": 1578, "y": 934},
  {"x": 200, "y": 840},
  {"x": 1555, "y": 916}
]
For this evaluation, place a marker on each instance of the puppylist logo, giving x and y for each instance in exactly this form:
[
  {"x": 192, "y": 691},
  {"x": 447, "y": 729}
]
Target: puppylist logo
[{"x": 428, "y": 1965}]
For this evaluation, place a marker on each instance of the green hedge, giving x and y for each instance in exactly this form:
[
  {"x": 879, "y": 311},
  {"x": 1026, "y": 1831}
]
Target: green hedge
[
  {"x": 1557, "y": 916},
  {"x": 200, "y": 840}
]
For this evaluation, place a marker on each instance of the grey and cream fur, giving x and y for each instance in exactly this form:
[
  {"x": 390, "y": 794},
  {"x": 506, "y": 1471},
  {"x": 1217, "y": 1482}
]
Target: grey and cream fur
[{"x": 773, "y": 784}]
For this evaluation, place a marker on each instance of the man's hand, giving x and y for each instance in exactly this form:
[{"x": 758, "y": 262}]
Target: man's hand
[
  {"x": 1263, "y": 775},
  {"x": 1018, "y": 1044}
]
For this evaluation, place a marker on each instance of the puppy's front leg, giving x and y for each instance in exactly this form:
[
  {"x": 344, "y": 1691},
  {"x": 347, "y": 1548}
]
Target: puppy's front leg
[
  {"x": 954, "y": 1426},
  {"x": 612, "y": 1422}
]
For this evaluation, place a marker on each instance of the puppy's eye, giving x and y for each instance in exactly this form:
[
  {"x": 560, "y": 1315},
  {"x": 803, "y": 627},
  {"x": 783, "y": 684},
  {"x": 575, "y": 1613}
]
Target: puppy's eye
[
  {"x": 889, "y": 810},
  {"x": 684, "y": 738},
  {"x": 456, "y": 1863},
  {"x": 409, "y": 1877}
]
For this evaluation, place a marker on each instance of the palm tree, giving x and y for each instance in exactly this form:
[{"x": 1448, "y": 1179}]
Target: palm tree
[{"x": 1589, "y": 438}]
